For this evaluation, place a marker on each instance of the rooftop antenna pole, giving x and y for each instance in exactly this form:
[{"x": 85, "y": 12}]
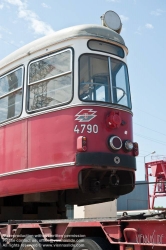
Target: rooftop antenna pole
[{"x": 102, "y": 20}]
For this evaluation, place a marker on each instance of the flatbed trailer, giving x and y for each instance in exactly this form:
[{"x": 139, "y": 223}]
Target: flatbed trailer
[{"x": 138, "y": 232}]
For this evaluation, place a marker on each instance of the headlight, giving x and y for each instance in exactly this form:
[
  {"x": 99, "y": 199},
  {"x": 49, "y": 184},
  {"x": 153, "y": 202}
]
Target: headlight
[
  {"x": 115, "y": 142},
  {"x": 128, "y": 145}
]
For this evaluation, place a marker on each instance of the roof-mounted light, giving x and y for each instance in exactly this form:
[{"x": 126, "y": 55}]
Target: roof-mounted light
[{"x": 111, "y": 20}]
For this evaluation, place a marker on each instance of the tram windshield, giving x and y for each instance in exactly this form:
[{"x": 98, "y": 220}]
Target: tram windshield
[{"x": 103, "y": 79}]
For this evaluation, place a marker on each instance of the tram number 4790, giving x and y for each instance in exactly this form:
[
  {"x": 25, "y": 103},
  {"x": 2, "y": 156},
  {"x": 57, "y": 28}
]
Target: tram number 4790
[{"x": 86, "y": 128}]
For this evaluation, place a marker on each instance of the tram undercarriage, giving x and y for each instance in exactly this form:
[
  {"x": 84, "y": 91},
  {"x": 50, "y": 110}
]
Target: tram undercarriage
[{"x": 95, "y": 186}]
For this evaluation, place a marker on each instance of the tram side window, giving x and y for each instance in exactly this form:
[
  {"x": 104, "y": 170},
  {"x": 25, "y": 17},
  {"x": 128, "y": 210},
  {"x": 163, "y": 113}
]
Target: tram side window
[
  {"x": 50, "y": 81},
  {"x": 11, "y": 94}
]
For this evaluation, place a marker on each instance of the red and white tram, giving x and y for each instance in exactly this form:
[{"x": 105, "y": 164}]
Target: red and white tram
[{"x": 66, "y": 120}]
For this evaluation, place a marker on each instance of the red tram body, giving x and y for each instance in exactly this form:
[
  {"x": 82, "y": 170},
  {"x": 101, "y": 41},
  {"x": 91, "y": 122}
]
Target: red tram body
[{"x": 66, "y": 121}]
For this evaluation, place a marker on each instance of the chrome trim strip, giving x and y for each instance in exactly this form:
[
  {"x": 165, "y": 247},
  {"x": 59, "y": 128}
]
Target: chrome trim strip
[
  {"x": 102, "y": 105},
  {"x": 66, "y": 107},
  {"x": 66, "y": 164}
]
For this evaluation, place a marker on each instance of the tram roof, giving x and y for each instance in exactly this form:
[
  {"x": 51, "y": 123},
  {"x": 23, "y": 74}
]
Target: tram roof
[{"x": 88, "y": 30}]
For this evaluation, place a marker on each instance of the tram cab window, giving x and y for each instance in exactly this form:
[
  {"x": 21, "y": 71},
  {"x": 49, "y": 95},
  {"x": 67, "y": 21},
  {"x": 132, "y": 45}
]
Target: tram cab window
[
  {"x": 50, "y": 81},
  {"x": 103, "y": 79},
  {"x": 11, "y": 94},
  {"x": 120, "y": 83},
  {"x": 94, "y": 78}
]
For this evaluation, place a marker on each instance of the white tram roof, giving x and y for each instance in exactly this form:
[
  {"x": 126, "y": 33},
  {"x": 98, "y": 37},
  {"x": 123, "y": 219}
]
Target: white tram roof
[{"x": 95, "y": 31}]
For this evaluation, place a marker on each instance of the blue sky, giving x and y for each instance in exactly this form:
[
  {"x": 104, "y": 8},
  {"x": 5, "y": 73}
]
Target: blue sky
[{"x": 22, "y": 21}]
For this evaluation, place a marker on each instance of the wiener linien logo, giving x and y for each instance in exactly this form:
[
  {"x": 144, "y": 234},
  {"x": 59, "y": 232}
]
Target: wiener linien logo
[{"x": 85, "y": 115}]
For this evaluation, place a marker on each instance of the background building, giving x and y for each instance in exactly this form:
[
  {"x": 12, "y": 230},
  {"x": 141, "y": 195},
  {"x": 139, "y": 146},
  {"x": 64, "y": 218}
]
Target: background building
[
  {"x": 136, "y": 200},
  {"x": 100, "y": 210}
]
